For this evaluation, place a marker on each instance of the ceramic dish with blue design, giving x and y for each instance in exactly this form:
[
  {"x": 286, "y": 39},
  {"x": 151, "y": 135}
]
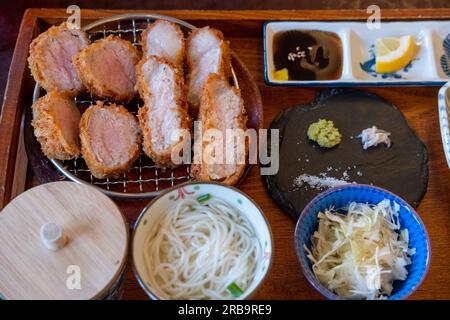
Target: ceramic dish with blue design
[
  {"x": 343, "y": 53},
  {"x": 201, "y": 241},
  {"x": 444, "y": 116},
  {"x": 340, "y": 197}
]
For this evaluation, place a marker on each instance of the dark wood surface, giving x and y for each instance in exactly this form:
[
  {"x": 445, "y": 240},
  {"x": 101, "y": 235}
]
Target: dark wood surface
[{"x": 244, "y": 30}]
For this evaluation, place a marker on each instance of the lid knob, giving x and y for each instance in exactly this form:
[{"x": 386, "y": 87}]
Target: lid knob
[{"x": 52, "y": 236}]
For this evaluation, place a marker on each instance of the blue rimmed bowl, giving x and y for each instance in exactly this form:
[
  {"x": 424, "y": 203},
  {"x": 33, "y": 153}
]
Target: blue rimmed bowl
[{"x": 341, "y": 196}]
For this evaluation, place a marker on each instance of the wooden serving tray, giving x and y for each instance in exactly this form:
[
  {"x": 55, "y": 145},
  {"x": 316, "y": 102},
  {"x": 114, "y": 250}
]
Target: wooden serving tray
[{"x": 244, "y": 30}]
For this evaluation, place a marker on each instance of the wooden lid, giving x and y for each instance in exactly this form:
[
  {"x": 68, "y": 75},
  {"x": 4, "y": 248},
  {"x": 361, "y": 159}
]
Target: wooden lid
[{"x": 96, "y": 246}]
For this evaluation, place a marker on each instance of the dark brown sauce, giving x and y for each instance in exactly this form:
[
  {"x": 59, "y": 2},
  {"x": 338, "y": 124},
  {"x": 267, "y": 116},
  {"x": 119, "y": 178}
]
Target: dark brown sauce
[{"x": 308, "y": 55}]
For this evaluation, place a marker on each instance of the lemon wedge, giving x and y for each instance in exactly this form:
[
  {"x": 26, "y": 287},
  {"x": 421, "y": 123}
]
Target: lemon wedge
[
  {"x": 281, "y": 75},
  {"x": 393, "y": 54}
]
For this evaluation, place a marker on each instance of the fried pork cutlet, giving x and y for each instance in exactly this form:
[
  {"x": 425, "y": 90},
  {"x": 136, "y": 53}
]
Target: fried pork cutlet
[
  {"x": 161, "y": 86},
  {"x": 50, "y": 59},
  {"x": 207, "y": 52},
  {"x": 110, "y": 139},
  {"x": 55, "y": 122},
  {"x": 107, "y": 68},
  {"x": 164, "y": 39},
  {"x": 221, "y": 108}
]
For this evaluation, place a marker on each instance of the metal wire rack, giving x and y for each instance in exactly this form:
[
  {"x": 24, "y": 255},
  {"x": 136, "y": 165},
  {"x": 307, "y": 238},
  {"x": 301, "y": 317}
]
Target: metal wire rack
[{"x": 144, "y": 179}]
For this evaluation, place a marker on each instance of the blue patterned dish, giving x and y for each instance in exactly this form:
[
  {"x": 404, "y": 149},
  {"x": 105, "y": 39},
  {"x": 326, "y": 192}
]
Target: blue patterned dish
[
  {"x": 444, "y": 116},
  {"x": 341, "y": 196},
  {"x": 445, "y": 57},
  {"x": 368, "y": 66}
]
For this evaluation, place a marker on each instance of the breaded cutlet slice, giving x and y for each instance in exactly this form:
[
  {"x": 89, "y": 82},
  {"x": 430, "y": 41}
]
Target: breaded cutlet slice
[
  {"x": 207, "y": 52},
  {"x": 110, "y": 139},
  {"x": 50, "y": 59},
  {"x": 107, "y": 68},
  {"x": 161, "y": 86},
  {"x": 55, "y": 122},
  {"x": 164, "y": 39},
  {"x": 221, "y": 108}
]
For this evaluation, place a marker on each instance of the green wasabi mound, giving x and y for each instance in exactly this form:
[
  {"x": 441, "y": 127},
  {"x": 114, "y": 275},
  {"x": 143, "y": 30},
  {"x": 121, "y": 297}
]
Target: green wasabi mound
[{"x": 324, "y": 133}]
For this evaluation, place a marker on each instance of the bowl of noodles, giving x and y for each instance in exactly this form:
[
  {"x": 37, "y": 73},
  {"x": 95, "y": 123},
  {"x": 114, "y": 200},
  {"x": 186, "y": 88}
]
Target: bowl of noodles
[{"x": 201, "y": 241}]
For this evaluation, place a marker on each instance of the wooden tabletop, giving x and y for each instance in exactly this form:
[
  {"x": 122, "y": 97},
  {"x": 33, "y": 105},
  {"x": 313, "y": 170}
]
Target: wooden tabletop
[{"x": 419, "y": 104}]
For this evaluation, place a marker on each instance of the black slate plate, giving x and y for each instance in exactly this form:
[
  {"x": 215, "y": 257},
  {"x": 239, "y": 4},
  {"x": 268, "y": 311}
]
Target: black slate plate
[{"x": 401, "y": 169}]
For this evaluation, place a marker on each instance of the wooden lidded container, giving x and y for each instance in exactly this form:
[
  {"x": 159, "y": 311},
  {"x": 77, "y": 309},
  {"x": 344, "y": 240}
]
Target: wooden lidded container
[{"x": 62, "y": 240}]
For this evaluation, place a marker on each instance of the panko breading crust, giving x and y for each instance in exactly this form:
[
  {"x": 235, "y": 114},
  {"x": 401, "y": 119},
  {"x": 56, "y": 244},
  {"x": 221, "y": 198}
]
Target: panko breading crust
[
  {"x": 194, "y": 95},
  {"x": 97, "y": 167},
  {"x": 145, "y": 46},
  {"x": 210, "y": 118},
  {"x": 39, "y": 48},
  {"x": 89, "y": 78},
  {"x": 48, "y": 132},
  {"x": 162, "y": 159}
]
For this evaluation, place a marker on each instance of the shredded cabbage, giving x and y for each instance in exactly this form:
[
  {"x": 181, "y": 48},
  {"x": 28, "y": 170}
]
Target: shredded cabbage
[{"x": 358, "y": 255}]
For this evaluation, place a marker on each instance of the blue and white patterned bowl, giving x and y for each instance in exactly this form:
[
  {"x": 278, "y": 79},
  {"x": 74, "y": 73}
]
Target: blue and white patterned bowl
[
  {"x": 444, "y": 116},
  {"x": 341, "y": 196}
]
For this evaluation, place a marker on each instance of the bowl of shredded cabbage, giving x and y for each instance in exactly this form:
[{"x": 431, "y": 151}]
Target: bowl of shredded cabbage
[{"x": 362, "y": 242}]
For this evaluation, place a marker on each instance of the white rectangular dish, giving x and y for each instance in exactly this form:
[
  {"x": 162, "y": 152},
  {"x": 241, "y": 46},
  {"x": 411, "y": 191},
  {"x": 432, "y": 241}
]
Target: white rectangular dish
[{"x": 430, "y": 67}]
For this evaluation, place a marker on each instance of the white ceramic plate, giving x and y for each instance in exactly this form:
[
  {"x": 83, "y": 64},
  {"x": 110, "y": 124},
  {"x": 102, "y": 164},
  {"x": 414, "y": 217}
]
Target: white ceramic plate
[
  {"x": 160, "y": 205},
  {"x": 431, "y": 66}
]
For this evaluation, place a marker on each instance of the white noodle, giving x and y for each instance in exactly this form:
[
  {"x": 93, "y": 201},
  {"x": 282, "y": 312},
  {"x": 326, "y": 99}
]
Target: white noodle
[{"x": 196, "y": 250}]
